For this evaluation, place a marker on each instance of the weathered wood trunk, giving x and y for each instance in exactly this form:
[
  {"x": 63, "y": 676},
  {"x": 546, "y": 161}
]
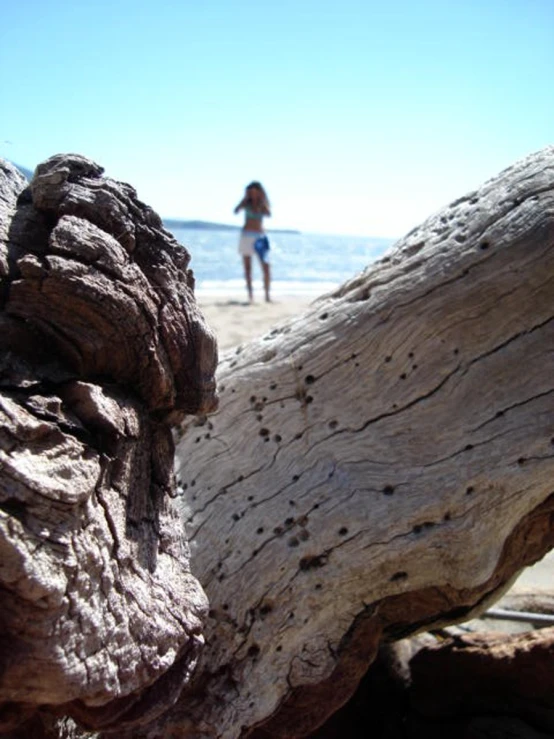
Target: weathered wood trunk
[
  {"x": 380, "y": 465},
  {"x": 101, "y": 346},
  {"x": 487, "y": 674},
  {"x": 490, "y": 685}
]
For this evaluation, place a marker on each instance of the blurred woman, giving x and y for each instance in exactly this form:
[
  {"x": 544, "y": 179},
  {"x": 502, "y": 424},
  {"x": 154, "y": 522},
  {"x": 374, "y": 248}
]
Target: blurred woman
[{"x": 253, "y": 240}]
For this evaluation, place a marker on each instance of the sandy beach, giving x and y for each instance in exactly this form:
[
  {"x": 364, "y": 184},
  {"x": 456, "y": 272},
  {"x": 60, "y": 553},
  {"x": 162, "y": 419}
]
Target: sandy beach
[{"x": 236, "y": 321}]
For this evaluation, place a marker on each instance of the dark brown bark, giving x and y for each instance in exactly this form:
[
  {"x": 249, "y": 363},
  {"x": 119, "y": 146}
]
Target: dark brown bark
[
  {"x": 378, "y": 467},
  {"x": 102, "y": 346},
  {"x": 488, "y": 673}
]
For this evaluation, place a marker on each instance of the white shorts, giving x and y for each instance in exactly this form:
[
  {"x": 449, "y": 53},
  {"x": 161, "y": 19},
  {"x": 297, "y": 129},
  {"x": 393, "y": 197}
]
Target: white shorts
[{"x": 247, "y": 241}]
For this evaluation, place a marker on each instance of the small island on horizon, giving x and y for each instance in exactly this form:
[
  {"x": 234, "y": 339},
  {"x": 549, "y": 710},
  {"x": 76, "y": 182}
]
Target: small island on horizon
[{"x": 171, "y": 223}]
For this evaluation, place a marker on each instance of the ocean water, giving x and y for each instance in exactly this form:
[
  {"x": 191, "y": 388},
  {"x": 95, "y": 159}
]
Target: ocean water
[{"x": 301, "y": 264}]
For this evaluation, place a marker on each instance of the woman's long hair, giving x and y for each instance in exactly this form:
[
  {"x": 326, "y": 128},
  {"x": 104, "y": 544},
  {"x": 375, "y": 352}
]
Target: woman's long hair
[{"x": 258, "y": 186}]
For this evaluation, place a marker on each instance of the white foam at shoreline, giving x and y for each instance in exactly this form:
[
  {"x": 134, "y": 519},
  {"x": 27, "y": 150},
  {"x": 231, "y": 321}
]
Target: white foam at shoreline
[{"x": 236, "y": 289}]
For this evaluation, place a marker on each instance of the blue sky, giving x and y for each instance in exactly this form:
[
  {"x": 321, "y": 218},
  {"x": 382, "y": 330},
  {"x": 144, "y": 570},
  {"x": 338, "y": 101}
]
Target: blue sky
[{"x": 359, "y": 117}]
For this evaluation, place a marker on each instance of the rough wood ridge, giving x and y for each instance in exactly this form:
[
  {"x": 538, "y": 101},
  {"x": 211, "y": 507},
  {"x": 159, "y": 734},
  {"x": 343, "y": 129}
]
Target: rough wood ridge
[
  {"x": 380, "y": 465},
  {"x": 102, "y": 346}
]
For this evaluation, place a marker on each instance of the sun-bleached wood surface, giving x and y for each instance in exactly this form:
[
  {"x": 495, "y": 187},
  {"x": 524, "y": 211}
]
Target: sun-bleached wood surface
[{"x": 379, "y": 465}]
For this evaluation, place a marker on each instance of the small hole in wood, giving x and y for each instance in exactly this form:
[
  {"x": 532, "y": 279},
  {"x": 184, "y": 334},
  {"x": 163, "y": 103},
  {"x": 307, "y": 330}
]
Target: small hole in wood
[
  {"x": 401, "y": 575},
  {"x": 253, "y": 651}
]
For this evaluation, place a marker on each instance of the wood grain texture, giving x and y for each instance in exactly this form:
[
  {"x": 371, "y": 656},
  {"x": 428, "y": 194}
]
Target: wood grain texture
[
  {"x": 102, "y": 347},
  {"x": 379, "y": 465}
]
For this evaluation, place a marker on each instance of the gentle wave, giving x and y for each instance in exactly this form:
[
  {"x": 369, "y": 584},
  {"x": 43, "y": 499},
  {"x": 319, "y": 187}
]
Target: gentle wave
[
  {"x": 235, "y": 289},
  {"x": 301, "y": 264}
]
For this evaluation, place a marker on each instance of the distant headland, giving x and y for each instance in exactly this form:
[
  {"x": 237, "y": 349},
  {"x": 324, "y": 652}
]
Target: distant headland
[{"x": 172, "y": 223}]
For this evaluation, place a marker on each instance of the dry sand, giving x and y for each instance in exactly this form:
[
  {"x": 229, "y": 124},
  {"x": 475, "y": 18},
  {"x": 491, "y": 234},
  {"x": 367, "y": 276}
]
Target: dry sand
[
  {"x": 540, "y": 576},
  {"x": 236, "y": 321}
]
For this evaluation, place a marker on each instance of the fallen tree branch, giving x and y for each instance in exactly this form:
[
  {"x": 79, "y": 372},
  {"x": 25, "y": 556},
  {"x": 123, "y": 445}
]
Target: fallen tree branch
[{"x": 379, "y": 466}]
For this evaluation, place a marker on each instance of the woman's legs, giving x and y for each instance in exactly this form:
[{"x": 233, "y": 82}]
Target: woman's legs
[
  {"x": 267, "y": 280},
  {"x": 247, "y": 262}
]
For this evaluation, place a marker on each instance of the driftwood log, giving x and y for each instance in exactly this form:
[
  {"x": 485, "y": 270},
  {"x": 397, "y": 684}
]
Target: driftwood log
[
  {"x": 487, "y": 674},
  {"x": 490, "y": 685},
  {"x": 101, "y": 347},
  {"x": 379, "y": 466}
]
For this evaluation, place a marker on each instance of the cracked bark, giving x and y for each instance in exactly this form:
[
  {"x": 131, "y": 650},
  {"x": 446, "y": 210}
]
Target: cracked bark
[
  {"x": 103, "y": 348},
  {"x": 380, "y": 465}
]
